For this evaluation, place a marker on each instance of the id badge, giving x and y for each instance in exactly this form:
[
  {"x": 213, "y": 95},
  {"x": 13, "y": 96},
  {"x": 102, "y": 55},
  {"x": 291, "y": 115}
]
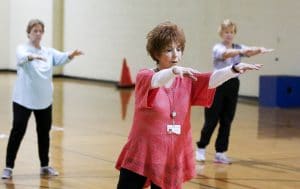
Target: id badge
[
  {"x": 176, "y": 129},
  {"x": 169, "y": 129}
]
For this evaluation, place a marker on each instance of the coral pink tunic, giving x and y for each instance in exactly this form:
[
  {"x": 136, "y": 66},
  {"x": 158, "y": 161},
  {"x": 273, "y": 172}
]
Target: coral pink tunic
[{"x": 165, "y": 159}]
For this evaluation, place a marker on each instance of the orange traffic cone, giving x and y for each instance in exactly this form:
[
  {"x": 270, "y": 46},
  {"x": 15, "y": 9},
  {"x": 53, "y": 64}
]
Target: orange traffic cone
[{"x": 125, "y": 81}]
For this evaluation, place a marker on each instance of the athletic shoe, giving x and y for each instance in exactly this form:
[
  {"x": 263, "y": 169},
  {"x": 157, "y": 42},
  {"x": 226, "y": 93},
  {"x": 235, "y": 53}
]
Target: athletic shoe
[
  {"x": 200, "y": 154},
  {"x": 222, "y": 158},
  {"x": 7, "y": 173},
  {"x": 48, "y": 171}
]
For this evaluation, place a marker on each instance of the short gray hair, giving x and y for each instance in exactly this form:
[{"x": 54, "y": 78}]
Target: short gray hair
[{"x": 34, "y": 22}]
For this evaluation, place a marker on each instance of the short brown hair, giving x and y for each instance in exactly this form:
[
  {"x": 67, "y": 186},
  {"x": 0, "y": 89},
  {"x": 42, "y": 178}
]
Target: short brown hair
[
  {"x": 34, "y": 22},
  {"x": 163, "y": 35},
  {"x": 227, "y": 24}
]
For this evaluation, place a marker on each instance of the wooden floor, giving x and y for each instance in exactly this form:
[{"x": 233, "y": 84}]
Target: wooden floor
[{"x": 90, "y": 127}]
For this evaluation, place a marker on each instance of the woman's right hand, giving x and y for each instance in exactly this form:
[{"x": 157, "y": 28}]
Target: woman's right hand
[
  {"x": 254, "y": 51},
  {"x": 264, "y": 50},
  {"x": 185, "y": 72},
  {"x": 36, "y": 57}
]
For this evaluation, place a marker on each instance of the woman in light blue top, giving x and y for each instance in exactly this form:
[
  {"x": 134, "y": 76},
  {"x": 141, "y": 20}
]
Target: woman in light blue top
[
  {"x": 223, "y": 108},
  {"x": 33, "y": 93}
]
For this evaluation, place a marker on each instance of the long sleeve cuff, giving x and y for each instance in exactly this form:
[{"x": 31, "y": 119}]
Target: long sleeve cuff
[
  {"x": 162, "y": 77},
  {"x": 218, "y": 77}
]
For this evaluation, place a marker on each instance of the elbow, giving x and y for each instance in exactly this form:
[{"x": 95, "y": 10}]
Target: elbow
[{"x": 212, "y": 83}]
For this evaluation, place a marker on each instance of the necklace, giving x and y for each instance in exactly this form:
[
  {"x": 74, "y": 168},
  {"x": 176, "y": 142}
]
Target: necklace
[{"x": 171, "y": 99}]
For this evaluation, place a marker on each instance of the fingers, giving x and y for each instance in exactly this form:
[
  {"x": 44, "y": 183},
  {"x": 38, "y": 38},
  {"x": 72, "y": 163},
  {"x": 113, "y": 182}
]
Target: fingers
[
  {"x": 252, "y": 67},
  {"x": 77, "y": 53},
  {"x": 264, "y": 50},
  {"x": 243, "y": 67},
  {"x": 259, "y": 65},
  {"x": 194, "y": 71},
  {"x": 186, "y": 72},
  {"x": 268, "y": 50},
  {"x": 190, "y": 75},
  {"x": 256, "y": 66}
]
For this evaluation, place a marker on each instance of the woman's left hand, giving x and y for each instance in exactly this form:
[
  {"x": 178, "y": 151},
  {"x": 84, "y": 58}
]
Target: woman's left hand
[
  {"x": 75, "y": 53},
  {"x": 243, "y": 67},
  {"x": 264, "y": 50}
]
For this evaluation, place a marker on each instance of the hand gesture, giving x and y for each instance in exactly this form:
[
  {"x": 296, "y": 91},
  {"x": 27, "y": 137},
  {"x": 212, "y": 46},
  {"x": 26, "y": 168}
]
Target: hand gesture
[
  {"x": 264, "y": 50},
  {"x": 185, "y": 72},
  {"x": 255, "y": 50},
  {"x": 243, "y": 67},
  {"x": 75, "y": 53},
  {"x": 36, "y": 57}
]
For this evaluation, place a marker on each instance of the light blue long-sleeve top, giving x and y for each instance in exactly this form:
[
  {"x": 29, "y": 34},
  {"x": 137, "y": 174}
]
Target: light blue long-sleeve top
[
  {"x": 34, "y": 88},
  {"x": 218, "y": 60}
]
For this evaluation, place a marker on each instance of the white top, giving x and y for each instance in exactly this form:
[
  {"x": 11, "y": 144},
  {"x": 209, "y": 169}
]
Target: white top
[
  {"x": 34, "y": 88},
  {"x": 218, "y": 60}
]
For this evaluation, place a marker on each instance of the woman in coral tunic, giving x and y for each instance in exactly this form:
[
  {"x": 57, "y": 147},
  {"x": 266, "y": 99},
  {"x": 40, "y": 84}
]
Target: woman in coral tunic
[{"x": 159, "y": 150}]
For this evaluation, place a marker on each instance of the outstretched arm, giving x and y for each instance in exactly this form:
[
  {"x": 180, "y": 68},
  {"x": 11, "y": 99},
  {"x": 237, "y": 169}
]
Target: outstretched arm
[
  {"x": 218, "y": 77},
  {"x": 61, "y": 58},
  {"x": 162, "y": 77},
  {"x": 255, "y": 50},
  {"x": 231, "y": 53},
  {"x": 250, "y": 51}
]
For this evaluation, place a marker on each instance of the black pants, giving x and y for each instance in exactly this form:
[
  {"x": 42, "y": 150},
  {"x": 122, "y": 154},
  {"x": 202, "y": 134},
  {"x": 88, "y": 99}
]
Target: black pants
[
  {"x": 222, "y": 110},
  {"x": 131, "y": 180},
  {"x": 21, "y": 116}
]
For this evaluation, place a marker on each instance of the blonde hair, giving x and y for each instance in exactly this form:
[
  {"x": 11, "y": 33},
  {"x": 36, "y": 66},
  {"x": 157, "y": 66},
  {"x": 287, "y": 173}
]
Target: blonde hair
[
  {"x": 163, "y": 35},
  {"x": 227, "y": 24},
  {"x": 34, "y": 22}
]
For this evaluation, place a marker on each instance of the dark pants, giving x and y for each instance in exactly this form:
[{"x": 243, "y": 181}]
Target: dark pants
[
  {"x": 131, "y": 180},
  {"x": 222, "y": 111},
  {"x": 21, "y": 116}
]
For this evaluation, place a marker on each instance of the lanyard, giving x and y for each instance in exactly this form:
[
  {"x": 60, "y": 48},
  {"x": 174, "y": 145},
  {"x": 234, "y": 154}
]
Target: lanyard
[{"x": 173, "y": 113}]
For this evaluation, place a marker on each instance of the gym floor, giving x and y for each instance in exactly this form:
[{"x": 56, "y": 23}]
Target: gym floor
[{"x": 91, "y": 122}]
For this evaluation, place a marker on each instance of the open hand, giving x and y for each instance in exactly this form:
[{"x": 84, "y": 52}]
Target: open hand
[
  {"x": 255, "y": 50},
  {"x": 243, "y": 67},
  {"x": 264, "y": 50},
  {"x": 37, "y": 57},
  {"x": 185, "y": 72},
  {"x": 75, "y": 53}
]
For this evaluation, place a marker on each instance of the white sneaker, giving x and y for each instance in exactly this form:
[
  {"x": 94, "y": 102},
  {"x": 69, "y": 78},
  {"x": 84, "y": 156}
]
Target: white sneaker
[
  {"x": 48, "y": 171},
  {"x": 7, "y": 173},
  {"x": 222, "y": 158},
  {"x": 200, "y": 154}
]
